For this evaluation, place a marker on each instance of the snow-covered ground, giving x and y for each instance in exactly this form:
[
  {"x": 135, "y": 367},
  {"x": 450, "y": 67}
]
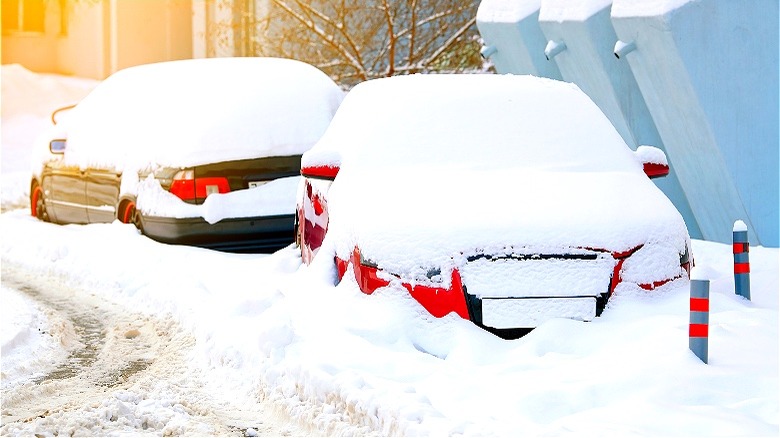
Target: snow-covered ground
[{"x": 265, "y": 327}]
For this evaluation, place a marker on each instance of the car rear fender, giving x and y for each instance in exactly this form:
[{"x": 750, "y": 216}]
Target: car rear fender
[{"x": 313, "y": 217}]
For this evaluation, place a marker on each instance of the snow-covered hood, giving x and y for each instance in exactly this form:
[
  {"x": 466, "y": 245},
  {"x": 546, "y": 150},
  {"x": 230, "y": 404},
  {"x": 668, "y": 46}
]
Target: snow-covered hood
[{"x": 421, "y": 217}]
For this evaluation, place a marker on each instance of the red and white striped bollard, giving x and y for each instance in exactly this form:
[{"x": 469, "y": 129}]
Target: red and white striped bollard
[
  {"x": 741, "y": 260},
  {"x": 698, "y": 329}
]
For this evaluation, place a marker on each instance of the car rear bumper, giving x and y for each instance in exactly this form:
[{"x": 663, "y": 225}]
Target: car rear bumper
[
  {"x": 525, "y": 290},
  {"x": 252, "y": 234},
  {"x": 507, "y": 294}
]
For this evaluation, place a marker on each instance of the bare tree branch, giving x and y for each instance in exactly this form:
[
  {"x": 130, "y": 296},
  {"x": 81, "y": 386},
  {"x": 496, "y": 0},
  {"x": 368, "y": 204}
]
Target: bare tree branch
[
  {"x": 446, "y": 46},
  {"x": 433, "y": 18},
  {"x": 354, "y": 62},
  {"x": 392, "y": 38},
  {"x": 357, "y": 40},
  {"x": 412, "y": 32},
  {"x": 339, "y": 26}
]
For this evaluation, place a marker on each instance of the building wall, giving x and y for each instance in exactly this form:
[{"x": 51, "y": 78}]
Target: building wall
[
  {"x": 82, "y": 52},
  {"x": 93, "y": 39},
  {"x": 36, "y": 50},
  {"x": 149, "y": 31},
  {"x": 214, "y": 28},
  {"x": 589, "y": 62},
  {"x": 707, "y": 73},
  {"x": 227, "y": 27},
  {"x": 513, "y": 38}
]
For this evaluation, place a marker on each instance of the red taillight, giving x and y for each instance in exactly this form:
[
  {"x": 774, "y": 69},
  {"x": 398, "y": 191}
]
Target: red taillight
[
  {"x": 341, "y": 267},
  {"x": 188, "y": 188},
  {"x": 183, "y": 184},
  {"x": 367, "y": 276},
  {"x": 438, "y": 301}
]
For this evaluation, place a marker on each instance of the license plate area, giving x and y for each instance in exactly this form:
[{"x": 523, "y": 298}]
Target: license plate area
[
  {"x": 254, "y": 184},
  {"x": 507, "y": 313},
  {"x": 564, "y": 276}
]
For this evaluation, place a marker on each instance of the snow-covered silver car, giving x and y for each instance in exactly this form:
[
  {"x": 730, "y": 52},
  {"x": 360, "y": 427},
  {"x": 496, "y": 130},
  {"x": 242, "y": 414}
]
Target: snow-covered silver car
[
  {"x": 203, "y": 152},
  {"x": 509, "y": 200}
]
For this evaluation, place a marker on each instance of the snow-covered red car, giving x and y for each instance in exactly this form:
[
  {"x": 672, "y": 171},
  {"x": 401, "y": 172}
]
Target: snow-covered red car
[
  {"x": 203, "y": 152},
  {"x": 509, "y": 200}
]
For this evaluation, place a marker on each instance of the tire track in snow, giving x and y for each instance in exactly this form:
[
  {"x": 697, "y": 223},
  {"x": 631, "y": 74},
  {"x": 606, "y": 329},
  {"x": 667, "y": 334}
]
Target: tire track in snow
[{"x": 125, "y": 373}]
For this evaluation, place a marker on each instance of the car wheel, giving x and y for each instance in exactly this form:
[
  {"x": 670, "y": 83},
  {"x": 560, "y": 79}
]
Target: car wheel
[
  {"x": 128, "y": 214},
  {"x": 37, "y": 206}
]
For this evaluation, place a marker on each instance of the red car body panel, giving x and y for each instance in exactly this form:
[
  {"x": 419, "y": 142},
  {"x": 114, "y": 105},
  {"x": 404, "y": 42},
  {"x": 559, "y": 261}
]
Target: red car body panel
[
  {"x": 312, "y": 226},
  {"x": 438, "y": 301}
]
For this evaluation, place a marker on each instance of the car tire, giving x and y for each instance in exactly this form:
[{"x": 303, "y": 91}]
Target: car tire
[
  {"x": 37, "y": 203},
  {"x": 128, "y": 214}
]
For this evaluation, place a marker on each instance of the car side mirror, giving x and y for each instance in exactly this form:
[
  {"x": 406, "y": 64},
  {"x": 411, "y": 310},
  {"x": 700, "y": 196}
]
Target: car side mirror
[
  {"x": 57, "y": 146},
  {"x": 653, "y": 161},
  {"x": 328, "y": 172}
]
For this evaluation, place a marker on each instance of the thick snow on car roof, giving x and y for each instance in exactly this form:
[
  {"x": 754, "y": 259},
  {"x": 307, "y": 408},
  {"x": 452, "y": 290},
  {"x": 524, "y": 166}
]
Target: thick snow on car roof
[
  {"x": 437, "y": 166},
  {"x": 479, "y": 120},
  {"x": 190, "y": 112}
]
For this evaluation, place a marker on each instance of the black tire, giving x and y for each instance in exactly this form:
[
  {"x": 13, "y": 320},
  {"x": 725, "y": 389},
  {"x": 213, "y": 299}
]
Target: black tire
[
  {"x": 129, "y": 214},
  {"x": 37, "y": 203}
]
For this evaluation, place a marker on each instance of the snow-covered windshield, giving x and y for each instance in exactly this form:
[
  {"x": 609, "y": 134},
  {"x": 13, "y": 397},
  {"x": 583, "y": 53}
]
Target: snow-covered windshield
[{"x": 475, "y": 121}]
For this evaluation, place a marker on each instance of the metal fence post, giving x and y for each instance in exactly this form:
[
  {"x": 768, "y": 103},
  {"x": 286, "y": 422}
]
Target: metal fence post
[
  {"x": 698, "y": 331},
  {"x": 741, "y": 260}
]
